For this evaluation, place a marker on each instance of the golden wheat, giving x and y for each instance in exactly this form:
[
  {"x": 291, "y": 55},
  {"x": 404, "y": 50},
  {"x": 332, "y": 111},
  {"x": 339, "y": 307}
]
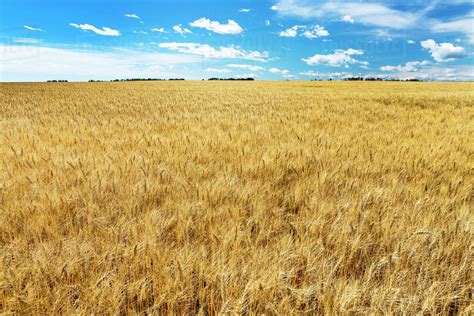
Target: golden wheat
[{"x": 236, "y": 197}]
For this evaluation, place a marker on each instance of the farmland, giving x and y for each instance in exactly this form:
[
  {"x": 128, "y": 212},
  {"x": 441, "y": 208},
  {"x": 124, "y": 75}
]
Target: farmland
[{"x": 236, "y": 197}]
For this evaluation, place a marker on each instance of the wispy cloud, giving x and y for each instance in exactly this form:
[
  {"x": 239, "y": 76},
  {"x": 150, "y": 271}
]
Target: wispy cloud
[
  {"x": 367, "y": 13},
  {"x": 462, "y": 25},
  {"x": 24, "y": 40},
  {"x": 105, "y": 31},
  {"x": 246, "y": 67},
  {"x": 336, "y": 75},
  {"x": 279, "y": 71},
  {"x": 231, "y": 27},
  {"x": 244, "y": 10},
  {"x": 42, "y": 63},
  {"x": 219, "y": 70},
  {"x": 204, "y": 50},
  {"x": 159, "y": 30},
  {"x": 132, "y": 16},
  {"x": 33, "y": 28}
]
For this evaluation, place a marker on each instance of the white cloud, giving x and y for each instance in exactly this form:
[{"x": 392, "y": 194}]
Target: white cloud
[
  {"x": 243, "y": 76},
  {"x": 243, "y": 10},
  {"x": 384, "y": 35},
  {"x": 431, "y": 72},
  {"x": 443, "y": 52},
  {"x": 24, "y": 40},
  {"x": 267, "y": 22},
  {"x": 315, "y": 32},
  {"x": 279, "y": 71},
  {"x": 410, "y": 66},
  {"x": 218, "y": 70},
  {"x": 464, "y": 25},
  {"x": 181, "y": 30},
  {"x": 411, "y": 42},
  {"x": 246, "y": 67},
  {"x": 32, "y": 28},
  {"x": 366, "y": 13},
  {"x": 26, "y": 62},
  {"x": 337, "y": 59},
  {"x": 336, "y": 75},
  {"x": 105, "y": 31},
  {"x": 133, "y": 16},
  {"x": 310, "y": 73},
  {"x": 291, "y": 32},
  {"x": 204, "y": 50},
  {"x": 309, "y": 32},
  {"x": 159, "y": 30},
  {"x": 231, "y": 27},
  {"x": 347, "y": 18}
]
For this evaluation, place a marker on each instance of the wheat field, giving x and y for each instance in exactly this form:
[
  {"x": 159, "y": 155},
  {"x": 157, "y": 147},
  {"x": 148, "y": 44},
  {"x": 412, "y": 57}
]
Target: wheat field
[{"x": 236, "y": 197}]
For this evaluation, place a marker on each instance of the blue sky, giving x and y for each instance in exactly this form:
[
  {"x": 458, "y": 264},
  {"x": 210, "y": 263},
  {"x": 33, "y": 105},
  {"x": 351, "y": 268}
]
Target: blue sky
[{"x": 80, "y": 40}]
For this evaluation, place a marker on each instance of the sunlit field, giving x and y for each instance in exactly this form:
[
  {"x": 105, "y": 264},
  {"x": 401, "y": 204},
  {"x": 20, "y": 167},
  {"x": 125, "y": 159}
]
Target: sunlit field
[{"x": 236, "y": 197}]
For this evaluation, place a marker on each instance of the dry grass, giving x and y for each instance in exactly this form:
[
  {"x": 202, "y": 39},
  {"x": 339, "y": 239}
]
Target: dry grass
[{"x": 215, "y": 197}]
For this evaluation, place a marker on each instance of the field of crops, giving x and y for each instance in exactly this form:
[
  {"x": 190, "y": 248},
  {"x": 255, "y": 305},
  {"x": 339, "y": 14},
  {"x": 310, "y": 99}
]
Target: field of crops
[{"x": 236, "y": 197}]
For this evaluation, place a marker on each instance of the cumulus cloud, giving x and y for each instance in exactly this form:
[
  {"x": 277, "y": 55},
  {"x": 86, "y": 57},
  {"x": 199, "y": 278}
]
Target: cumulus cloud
[
  {"x": 32, "y": 28},
  {"x": 204, "y": 50},
  {"x": 410, "y": 66},
  {"x": 181, "y": 30},
  {"x": 337, "y": 59},
  {"x": 309, "y": 32},
  {"x": 315, "y": 32},
  {"x": 231, "y": 27},
  {"x": 291, "y": 32},
  {"x": 246, "y": 67},
  {"x": 347, "y": 18},
  {"x": 159, "y": 30},
  {"x": 105, "y": 31},
  {"x": 133, "y": 16},
  {"x": 443, "y": 52}
]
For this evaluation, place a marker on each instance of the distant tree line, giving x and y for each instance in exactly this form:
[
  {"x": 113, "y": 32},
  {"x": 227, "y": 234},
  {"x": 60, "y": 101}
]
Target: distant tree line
[
  {"x": 232, "y": 79},
  {"x": 136, "y": 79},
  {"x": 245, "y": 79},
  {"x": 372, "y": 79},
  {"x": 125, "y": 80}
]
